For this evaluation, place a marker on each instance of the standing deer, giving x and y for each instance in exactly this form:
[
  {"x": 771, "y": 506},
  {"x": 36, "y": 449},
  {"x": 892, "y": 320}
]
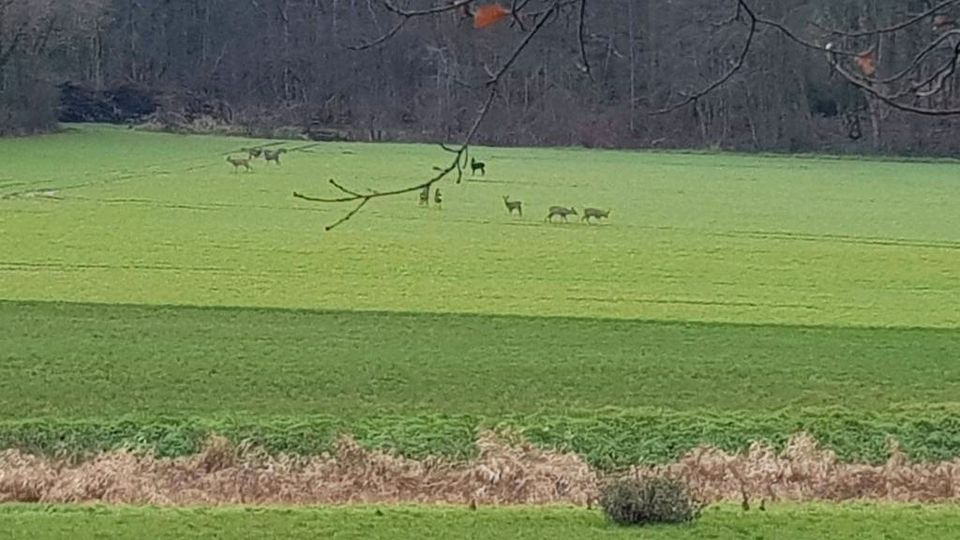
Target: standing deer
[
  {"x": 273, "y": 155},
  {"x": 478, "y": 166},
  {"x": 239, "y": 162},
  {"x": 424, "y": 196},
  {"x": 561, "y": 211},
  {"x": 594, "y": 213},
  {"x": 513, "y": 205},
  {"x": 437, "y": 199}
]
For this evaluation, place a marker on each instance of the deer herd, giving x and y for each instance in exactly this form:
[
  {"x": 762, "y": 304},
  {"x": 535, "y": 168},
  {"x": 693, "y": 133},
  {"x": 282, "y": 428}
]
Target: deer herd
[
  {"x": 517, "y": 206},
  {"x": 253, "y": 153},
  {"x": 560, "y": 212}
]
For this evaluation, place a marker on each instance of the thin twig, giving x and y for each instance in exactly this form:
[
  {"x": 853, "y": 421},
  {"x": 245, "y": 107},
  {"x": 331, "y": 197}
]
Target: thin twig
[
  {"x": 523, "y": 43},
  {"x": 515, "y": 8},
  {"x": 453, "y": 6},
  {"x": 345, "y": 190},
  {"x": 406, "y": 15},
  {"x": 730, "y": 20},
  {"x": 382, "y": 39},
  {"x": 349, "y": 215}
]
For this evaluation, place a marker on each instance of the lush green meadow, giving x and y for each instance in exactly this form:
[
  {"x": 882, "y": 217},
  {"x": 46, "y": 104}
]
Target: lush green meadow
[
  {"x": 777, "y": 523},
  {"x": 148, "y": 294}
]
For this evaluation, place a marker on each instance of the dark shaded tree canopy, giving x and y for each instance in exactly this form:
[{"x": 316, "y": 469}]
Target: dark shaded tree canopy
[{"x": 748, "y": 75}]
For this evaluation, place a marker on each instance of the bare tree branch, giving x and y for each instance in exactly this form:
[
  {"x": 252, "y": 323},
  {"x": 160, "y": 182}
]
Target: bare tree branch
[
  {"x": 869, "y": 86},
  {"x": 926, "y": 51},
  {"x": 751, "y": 32},
  {"x": 939, "y": 76},
  {"x": 452, "y": 6},
  {"x": 515, "y": 8},
  {"x": 405, "y": 16},
  {"x": 583, "y": 48},
  {"x": 382, "y": 39},
  {"x": 730, "y": 20},
  {"x": 348, "y": 215},
  {"x": 892, "y": 28},
  {"x": 904, "y": 99},
  {"x": 455, "y": 165}
]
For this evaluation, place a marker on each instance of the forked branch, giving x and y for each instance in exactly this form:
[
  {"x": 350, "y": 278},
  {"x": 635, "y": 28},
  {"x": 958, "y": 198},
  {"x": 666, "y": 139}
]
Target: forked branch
[
  {"x": 926, "y": 87},
  {"x": 455, "y": 165},
  {"x": 405, "y": 16}
]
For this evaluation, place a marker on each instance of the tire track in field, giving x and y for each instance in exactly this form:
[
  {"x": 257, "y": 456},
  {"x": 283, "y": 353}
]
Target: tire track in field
[
  {"x": 199, "y": 206},
  {"x": 663, "y": 301},
  {"x": 764, "y": 235},
  {"x": 193, "y": 165},
  {"x": 21, "y": 266},
  {"x": 127, "y": 175},
  {"x": 757, "y": 235},
  {"x": 841, "y": 238},
  {"x": 112, "y": 177}
]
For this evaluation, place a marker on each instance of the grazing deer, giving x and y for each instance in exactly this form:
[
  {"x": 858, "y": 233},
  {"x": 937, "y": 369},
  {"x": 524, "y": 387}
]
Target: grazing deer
[
  {"x": 478, "y": 166},
  {"x": 594, "y": 213},
  {"x": 239, "y": 162},
  {"x": 513, "y": 205},
  {"x": 560, "y": 211},
  {"x": 425, "y": 196},
  {"x": 273, "y": 155},
  {"x": 252, "y": 152},
  {"x": 437, "y": 199}
]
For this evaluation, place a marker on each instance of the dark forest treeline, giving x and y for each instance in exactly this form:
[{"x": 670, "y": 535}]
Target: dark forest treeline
[{"x": 272, "y": 63}]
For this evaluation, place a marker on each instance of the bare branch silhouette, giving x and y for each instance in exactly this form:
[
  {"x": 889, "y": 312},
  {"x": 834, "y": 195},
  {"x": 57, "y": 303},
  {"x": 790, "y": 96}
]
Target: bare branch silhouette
[
  {"x": 405, "y": 16},
  {"x": 894, "y": 27},
  {"x": 456, "y": 164},
  {"x": 873, "y": 86},
  {"x": 382, "y": 39},
  {"x": 751, "y": 32}
]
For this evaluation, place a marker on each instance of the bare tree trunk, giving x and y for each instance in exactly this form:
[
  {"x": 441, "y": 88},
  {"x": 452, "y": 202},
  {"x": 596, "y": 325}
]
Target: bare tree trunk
[
  {"x": 134, "y": 72},
  {"x": 333, "y": 22},
  {"x": 632, "y": 32},
  {"x": 98, "y": 57}
]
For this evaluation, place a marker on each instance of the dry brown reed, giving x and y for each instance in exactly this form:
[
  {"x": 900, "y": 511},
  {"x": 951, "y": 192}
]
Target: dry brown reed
[{"x": 501, "y": 474}]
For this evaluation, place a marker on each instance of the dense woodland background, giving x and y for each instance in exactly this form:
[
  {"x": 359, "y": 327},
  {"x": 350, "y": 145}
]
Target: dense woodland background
[{"x": 260, "y": 65}]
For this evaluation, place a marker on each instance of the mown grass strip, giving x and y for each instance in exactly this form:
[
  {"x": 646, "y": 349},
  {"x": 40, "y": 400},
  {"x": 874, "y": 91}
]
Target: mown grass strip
[
  {"x": 93, "y": 360},
  {"x": 781, "y": 522},
  {"x": 608, "y": 439}
]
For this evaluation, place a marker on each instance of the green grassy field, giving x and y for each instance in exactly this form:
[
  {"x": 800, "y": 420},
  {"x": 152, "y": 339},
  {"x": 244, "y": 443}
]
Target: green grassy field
[
  {"x": 162, "y": 219},
  {"x": 83, "y": 360},
  {"x": 143, "y": 281},
  {"x": 780, "y": 523}
]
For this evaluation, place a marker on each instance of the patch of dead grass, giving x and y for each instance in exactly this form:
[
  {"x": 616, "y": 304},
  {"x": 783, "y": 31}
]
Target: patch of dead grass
[{"x": 503, "y": 473}]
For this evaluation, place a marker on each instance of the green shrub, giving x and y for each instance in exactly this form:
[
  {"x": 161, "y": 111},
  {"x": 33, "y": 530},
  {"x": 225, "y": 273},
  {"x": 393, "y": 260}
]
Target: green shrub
[{"x": 633, "y": 501}]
